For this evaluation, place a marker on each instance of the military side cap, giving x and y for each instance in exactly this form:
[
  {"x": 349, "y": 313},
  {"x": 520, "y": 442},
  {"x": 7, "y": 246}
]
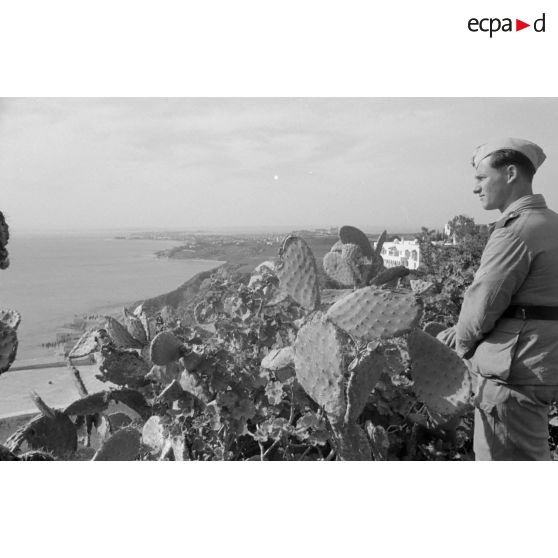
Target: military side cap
[{"x": 531, "y": 150}]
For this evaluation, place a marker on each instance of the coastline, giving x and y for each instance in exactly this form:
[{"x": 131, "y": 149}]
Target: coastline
[
  {"x": 243, "y": 252},
  {"x": 96, "y": 318}
]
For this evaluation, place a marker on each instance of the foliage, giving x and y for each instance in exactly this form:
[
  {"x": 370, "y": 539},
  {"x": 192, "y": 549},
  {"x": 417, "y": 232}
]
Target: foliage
[{"x": 451, "y": 267}]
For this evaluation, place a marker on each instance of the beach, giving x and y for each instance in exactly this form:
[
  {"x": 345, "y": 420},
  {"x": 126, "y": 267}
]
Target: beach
[{"x": 57, "y": 284}]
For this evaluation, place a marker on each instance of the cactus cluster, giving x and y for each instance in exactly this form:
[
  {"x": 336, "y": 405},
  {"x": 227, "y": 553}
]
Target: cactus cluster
[
  {"x": 352, "y": 262},
  {"x": 331, "y": 350},
  {"x": 364, "y": 318}
]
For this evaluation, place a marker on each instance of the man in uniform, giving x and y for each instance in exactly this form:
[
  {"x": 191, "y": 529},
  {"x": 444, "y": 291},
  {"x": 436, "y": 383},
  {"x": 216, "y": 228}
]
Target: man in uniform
[{"x": 508, "y": 325}]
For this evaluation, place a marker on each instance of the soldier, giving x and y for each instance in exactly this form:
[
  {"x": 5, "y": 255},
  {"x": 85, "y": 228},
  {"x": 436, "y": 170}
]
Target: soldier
[{"x": 508, "y": 324}]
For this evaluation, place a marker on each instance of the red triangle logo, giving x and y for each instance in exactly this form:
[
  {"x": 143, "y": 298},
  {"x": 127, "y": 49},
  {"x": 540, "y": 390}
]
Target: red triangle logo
[{"x": 519, "y": 25}]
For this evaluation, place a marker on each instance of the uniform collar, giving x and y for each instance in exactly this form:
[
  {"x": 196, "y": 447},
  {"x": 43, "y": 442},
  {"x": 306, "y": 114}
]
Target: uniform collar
[{"x": 532, "y": 201}]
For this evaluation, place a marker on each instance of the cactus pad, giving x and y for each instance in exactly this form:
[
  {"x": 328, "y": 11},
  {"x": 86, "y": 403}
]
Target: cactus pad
[
  {"x": 10, "y": 318},
  {"x": 135, "y": 327},
  {"x": 365, "y": 370},
  {"x": 122, "y": 367},
  {"x": 4, "y": 237},
  {"x": 351, "y": 442},
  {"x": 433, "y": 328},
  {"x": 319, "y": 364},
  {"x": 85, "y": 345},
  {"x": 337, "y": 247},
  {"x": 89, "y": 405},
  {"x": 371, "y": 313},
  {"x": 165, "y": 348},
  {"x": 54, "y": 432},
  {"x": 8, "y": 347},
  {"x": 149, "y": 324},
  {"x": 421, "y": 287},
  {"x": 338, "y": 269},
  {"x": 389, "y": 275},
  {"x": 118, "y": 420},
  {"x": 298, "y": 274},
  {"x": 380, "y": 244},
  {"x": 120, "y": 335},
  {"x": 133, "y": 399},
  {"x": 352, "y": 235},
  {"x": 123, "y": 445},
  {"x": 442, "y": 380},
  {"x": 351, "y": 252}
]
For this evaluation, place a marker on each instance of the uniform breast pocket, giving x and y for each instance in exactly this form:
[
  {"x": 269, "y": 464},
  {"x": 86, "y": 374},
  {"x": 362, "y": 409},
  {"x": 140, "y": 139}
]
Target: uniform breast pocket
[{"x": 495, "y": 353}]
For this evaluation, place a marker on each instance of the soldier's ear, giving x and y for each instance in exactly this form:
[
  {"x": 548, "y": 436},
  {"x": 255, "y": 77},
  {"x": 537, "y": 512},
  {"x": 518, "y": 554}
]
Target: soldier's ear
[{"x": 512, "y": 173}]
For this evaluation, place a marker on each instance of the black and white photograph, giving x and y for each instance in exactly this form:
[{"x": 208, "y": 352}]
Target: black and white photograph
[
  {"x": 279, "y": 279},
  {"x": 288, "y": 269}
]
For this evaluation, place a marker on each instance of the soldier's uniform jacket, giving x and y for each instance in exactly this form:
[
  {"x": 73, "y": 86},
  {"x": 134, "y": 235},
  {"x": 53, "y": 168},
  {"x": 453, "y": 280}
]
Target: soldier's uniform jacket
[{"x": 519, "y": 266}]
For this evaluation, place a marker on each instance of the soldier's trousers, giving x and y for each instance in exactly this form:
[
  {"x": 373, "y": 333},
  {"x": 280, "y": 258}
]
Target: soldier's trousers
[{"x": 511, "y": 422}]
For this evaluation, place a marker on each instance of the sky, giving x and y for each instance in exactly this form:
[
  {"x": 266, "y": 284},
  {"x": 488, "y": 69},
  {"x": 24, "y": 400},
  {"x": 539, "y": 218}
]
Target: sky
[{"x": 78, "y": 164}]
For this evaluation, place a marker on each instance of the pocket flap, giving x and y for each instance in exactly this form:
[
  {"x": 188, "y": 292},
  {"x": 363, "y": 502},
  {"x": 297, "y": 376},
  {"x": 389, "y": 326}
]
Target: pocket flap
[{"x": 494, "y": 354}]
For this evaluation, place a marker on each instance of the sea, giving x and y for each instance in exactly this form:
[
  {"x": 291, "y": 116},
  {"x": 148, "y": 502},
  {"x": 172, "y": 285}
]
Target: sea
[{"x": 54, "y": 278}]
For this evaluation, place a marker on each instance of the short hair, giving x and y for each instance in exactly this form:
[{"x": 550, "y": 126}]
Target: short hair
[{"x": 505, "y": 157}]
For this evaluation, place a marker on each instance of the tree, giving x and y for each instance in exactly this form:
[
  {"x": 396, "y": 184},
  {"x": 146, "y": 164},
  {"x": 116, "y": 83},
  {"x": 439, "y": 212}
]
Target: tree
[{"x": 462, "y": 226}]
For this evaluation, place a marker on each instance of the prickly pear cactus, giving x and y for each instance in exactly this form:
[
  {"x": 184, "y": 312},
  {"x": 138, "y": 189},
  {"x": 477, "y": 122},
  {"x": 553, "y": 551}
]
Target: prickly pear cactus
[
  {"x": 352, "y": 235},
  {"x": 148, "y": 323},
  {"x": 390, "y": 275},
  {"x": 165, "y": 348},
  {"x": 319, "y": 364},
  {"x": 8, "y": 347},
  {"x": 365, "y": 371},
  {"x": 352, "y": 254},
  {"x": 4, "y": 237},
  {"x": 433, "y": 328},
  {"x": 123, "y": 445},
  {"x": 298, "y": 274},
  {"x": 120, "y": 335},
  {"x": 337, "y": 247},
  {"x": 89, "y": 405},
  {"x": 380, "y": 244},
  {"x": 135, "y": 328},
  {"x": 371, "y": 313},
  {"x": 85, "y": 345},
  {"x": 51, "y": 431},
  {"x": 10, "y": 318},
  {"x": 351, "y": 442},
  {"x": 132, "y": 399},
  {"x": 338, "y": 269},
  {"x": 122, "y": 367},
  {"x": 351, "y": 261},
  {"x": 442, "y": 380},
  {"x": 164, "y": 375},
  {"x": 421, "y": 287}
]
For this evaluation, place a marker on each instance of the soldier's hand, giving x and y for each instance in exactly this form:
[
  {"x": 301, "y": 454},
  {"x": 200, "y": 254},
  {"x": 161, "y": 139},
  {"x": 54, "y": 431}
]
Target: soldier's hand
[{"x": 447, "y": 337}]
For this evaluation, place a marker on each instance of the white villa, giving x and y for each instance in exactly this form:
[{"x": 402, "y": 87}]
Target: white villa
[{"x": 401, "y": 252}]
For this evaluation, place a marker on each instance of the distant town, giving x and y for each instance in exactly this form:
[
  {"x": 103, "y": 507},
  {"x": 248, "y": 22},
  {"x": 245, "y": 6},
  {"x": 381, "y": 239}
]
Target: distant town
[{"x": 249, "y": 249}]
